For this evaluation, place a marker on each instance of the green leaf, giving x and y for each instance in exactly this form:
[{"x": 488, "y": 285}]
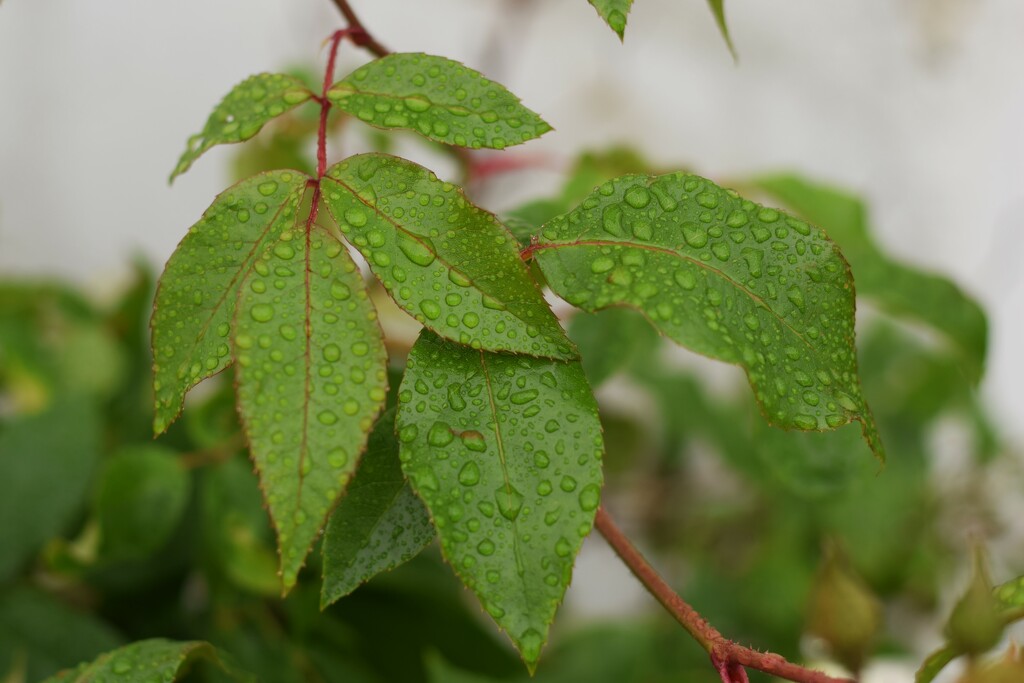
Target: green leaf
[
  {"x": 610, "y": 341},
  {"x": 46, "y": 466},
  {"x": 243, "y": 112},
  {"x": 438, "y": 98},
  {"x": 725, "y": 277},
  {"x": 506, "y": 453},
  {"x": 149, "y": 660},
  {"x": 451, "y": 265},
  {"x": 897, "y": 288},
  {"x": 41, "y": 635},
  {"x": 718, "y": 9},
  {"x": 195, "y": 300},
  {"x": 935, "y": 663},
  {"x": 1010, "y": 595},
  {"x": 140, "y": 501},
  {"x": 312, "y": 377},
  {"x": 614, "y": 13},
  {"x": 379, "y": 524}
]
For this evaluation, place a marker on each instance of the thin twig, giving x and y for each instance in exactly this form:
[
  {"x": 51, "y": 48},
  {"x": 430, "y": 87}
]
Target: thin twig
[
  {"x": 728, "y": 657},
  {"x": 357, "y": 32}
]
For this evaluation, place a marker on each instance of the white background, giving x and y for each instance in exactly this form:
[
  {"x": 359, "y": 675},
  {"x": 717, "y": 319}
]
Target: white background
[{"x": 916, "y": 104}]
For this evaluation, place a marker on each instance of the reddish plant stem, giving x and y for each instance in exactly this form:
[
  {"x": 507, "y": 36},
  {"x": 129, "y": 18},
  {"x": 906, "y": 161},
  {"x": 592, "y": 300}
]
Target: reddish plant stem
[
  {"x": 325, "y": 104},
  {"x": 728, "y": 658},
  {"x": 358, "y": 33}
]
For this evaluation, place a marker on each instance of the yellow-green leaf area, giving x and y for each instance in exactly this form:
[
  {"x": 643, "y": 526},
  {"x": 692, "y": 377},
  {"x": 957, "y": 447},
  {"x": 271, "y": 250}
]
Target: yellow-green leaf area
[
  {"x": 438, "y": 98},
  {"x": 448, "y": 263},
  {"x": 311, "y": 380},
  {"x": 614, "y": 13},
  {"x": 725, "y": 277},
  {"x": 506, "y": 453},
  {"x": 149, "y": 660},
  {"x": 379, "y": 524},
  {"x": 195, "y": 299},
  {"x": 243, "y": 112}
]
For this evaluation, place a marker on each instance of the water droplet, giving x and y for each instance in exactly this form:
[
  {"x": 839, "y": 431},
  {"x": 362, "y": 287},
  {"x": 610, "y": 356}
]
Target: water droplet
[
  {"x": 568, "y": 484},
  {"x": 440, "y": 435},
  {"x": 327, "y": 417},
  {"x": 602, "y": 264},
  {"x": 695, "y": 234},
  {"x": 474, "y": 441},
  {"x": 685, "y": 278},
  {"x": 416, "y": 250},
  {"x": 431, "y": 309},
  {"x": 638, "y": 197},
  {"x": 590, "y": 497},
  {"x": 531, "y": 641},
  {"x": 417, "y": 103},
  {"x": 522, "y": 397},
  {"x": 268, "y": 188},
  {"x": 805, "y": 421},
  {"x": 262, "y": 313},
  {"x": 485, "y": 548},
  {"x": 355, "y": 217},
  {"x": 469, "y": 475},
  {"x": 509, "y": 501}
]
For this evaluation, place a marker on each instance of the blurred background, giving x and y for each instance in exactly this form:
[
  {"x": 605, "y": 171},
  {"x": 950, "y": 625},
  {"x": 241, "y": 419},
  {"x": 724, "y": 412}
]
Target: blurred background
[{"x": 914, "y": 106}]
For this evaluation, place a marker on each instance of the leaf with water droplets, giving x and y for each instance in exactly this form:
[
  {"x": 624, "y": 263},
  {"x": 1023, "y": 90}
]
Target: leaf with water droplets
[
  {"x": 150, "y": 660},
  {"x": 718, "y": 10},
  {"x": 725, "y": 277},
  {"x": 897, "y": 288},
  {"x": 506, "y": 453},
  {"x": 438, "y": 98},
  {"x": 614, "y": 13},
  {"x": 379, "y": 524},
  {"x": 195, "y": 300},
  {"x": 449, "y": 264},
  {"x": 312, "y": 377},
  {"x": 243, "y": 112}
]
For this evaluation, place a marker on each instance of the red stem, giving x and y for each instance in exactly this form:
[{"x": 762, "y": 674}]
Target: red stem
[
  {"x": 358, "y": 33},
  {"x": 727, "y": 657}
]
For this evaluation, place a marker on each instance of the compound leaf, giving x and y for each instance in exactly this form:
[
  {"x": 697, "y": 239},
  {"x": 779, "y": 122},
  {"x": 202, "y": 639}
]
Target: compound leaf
[
  {"x": 379, "y": 524},
  {"x": 438, "y": 98},
  {"x": 312, "y": 377},
  {"x": 449, "y": 264},
  {"x": 506, "y": 453},
  {"x": 195, "y": 300},
  {"x": 243, "y": 112},
  {"x": 614, "y": 13},
  {"x": 149, "y": 660},
  {"x": 725, "y": 277},
  {"x": 899, "y": 289}
]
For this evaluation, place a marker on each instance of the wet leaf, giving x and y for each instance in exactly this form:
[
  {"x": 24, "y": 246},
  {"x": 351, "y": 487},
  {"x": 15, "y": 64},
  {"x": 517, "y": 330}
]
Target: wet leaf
[
  {"x": 312, "y": 377},
  {"x": 449, "y": 264},
  {"x": 149, "y": 660},
  {"x": 195, "y": 300},
  {"x": 141, "y": 498},
  {"x": 506, "y": 453},
  {"x": 724, "y": 277},
  {"x": 438, "y": 98},
  {"x": 614, "y": 13},
  {"x": 243, "y": 112},
  {"x": 379, "y": 524},
  {"x": 900, "y": 289}
]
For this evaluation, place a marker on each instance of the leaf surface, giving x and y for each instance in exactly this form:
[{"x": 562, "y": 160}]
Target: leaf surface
[
  {"x": 243, "y": 112},
  {"x": 724, "y": 277},
  {"x": 195, "y": 300},
  {"x": 312, "y": 377},
  {"x": 611, "y": 341},
  {"x": 614, "y": 13},
  {"x": 149, "y": 660},
  {"x": 449, "y": 264},
  {"x": 379, "y": 524},
  {"x": 718, "y": 10},
  {"x": 897, "y": 288},
  {"x": 506, "y": 453},
  {"x": 438, "y": 98}
]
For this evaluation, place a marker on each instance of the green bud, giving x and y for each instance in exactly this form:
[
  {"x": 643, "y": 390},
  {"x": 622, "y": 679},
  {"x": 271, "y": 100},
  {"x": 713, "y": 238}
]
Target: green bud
[
  {"x": 975, "y": 626},
  {"x": 843, "y": 611}
]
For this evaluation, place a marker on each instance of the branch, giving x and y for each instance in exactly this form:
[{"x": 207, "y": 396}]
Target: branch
[
  {"x": 357, "y": 32},
  {"x": 728, "y": 657}
]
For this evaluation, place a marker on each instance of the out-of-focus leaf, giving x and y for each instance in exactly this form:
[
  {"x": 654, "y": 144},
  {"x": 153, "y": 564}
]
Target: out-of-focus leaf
[
  {"x": 727, "y": 278},
  {"x": 42, "y": 636},
  {"x": 1010, "y": 595},
  {"x": 46, "y": 465},
  {"x": 615, "y": 13},
  {"x": 379, "y": 524},
  {"x": 506, "y": 453},
  {"x": 609, "y": 341},
  {"x": 142, "y": 494},
  {"x": 935, "y": 663},
  {"x": 243, "y": 112},
  {"x": 718, "y": 10},
  {"x": 438, "y": 98},
  {"x": 149, "y": 660},
  {"x": 897, "y": 288}
]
